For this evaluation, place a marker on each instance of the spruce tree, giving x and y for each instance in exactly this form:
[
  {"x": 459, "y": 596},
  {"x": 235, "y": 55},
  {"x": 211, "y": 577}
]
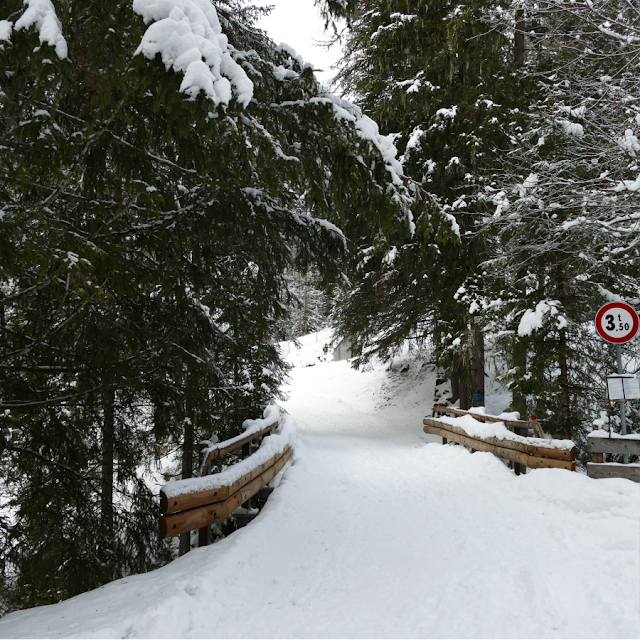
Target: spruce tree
[
  {"x": 564, "y": 218},
  {"x": 442, "y": 84},
  {"x": 149, "y": 209}
]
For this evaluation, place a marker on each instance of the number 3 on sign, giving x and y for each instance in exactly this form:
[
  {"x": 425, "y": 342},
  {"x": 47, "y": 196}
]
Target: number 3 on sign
[{"x": 617, "y": 322}]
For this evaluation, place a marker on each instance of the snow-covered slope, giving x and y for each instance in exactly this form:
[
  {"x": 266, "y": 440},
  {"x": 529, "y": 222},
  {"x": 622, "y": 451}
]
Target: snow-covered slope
[{"x": 377, "y": 530}]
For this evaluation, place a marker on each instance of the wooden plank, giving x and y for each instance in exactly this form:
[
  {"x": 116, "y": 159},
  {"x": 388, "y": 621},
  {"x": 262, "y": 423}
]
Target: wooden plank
[
  {"x": 530, "y": 449},
  {"x": 223, "y": 450},
  {"x": 520, "y": 424},
  {"x": 177, "y": 523},
  {"x": 612, "y": 470},
  {"x": 534, "y": 462},
  {"x": 614, "y": 444},
  {"x": 192, "y": 500}
]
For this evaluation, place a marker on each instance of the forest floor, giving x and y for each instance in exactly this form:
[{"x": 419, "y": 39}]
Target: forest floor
[{"x": 377, "y": 530}]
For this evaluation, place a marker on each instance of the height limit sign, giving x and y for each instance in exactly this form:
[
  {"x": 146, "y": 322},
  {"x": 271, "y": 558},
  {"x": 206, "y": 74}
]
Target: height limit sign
[{"x": 617, "y": 322}]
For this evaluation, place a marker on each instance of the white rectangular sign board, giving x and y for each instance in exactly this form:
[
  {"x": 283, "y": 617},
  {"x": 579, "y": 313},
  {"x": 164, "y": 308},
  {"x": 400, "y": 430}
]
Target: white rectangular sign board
[{"x": 623, "y": 388}]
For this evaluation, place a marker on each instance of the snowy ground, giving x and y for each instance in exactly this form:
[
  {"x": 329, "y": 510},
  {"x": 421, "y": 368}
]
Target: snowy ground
[{"x": 377, "y": 530}]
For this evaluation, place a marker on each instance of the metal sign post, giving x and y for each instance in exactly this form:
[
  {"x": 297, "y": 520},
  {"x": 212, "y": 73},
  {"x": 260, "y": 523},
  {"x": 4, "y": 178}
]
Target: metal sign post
[{"x": 618, "y": 323}]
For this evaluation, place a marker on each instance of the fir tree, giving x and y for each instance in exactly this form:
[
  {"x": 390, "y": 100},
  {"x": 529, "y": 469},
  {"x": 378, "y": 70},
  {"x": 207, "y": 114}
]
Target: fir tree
[
  {"x": 148, "y": 212},
  {"x": 564, "y": 226},
  {"x": 442, "y": 84}
]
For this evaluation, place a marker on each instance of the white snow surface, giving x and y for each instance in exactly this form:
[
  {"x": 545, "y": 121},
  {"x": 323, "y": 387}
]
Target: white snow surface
[
  {"x": 188, "y": 36},
  {"x": 377, "y": 530},
  {"x": 42, "y": 15},
  {"x": 602, "y": 433}
]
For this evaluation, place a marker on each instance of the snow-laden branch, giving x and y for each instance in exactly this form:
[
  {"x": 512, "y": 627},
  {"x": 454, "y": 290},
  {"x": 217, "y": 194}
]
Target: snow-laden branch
[
  {"x": 188, "y": 36},
  {"x": 42, "y": 15}
]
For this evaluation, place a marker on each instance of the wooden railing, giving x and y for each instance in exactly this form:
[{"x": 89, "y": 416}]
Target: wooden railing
[
  {"x": 599, "y": 443},
  {"x": 534, "y": 453},
  {"x": 483, "y": 417},
  {"x": 197, "y": 503}
]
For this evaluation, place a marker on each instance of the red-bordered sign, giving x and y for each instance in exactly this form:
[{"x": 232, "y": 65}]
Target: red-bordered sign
[{"x": 617, "y": 322}]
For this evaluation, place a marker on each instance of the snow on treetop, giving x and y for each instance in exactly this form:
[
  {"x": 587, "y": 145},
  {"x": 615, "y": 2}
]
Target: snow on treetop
[
  {"x": 41, "y": 14},
  {"x": 534, "y": 319},
  {"x": 188, "y": 35}
]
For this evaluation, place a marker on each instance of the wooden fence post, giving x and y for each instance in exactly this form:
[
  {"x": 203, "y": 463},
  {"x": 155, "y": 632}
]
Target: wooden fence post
[{"x": 204, "y": 534}]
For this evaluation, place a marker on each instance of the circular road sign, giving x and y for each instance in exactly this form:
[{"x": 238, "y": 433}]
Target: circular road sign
[{"x": 617, "y": 322}]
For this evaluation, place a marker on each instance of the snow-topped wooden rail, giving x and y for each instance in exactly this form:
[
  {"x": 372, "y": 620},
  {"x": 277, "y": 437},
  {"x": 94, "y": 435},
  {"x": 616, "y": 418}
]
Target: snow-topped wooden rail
[
  {"x": 601, "y": 442},
  {"x": 483, "y": 417},
  {"x": 197, "y": 503},
  {"x": 468, "y": 429}
]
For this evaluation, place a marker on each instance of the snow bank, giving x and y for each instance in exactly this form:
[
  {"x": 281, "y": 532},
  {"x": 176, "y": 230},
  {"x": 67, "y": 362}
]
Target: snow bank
[
  {"x": 42, "y": 15},
  {"x": 188, "y": 36},
  {"x": 476, "y": 429},
  {"x": 271, "y": 445}
]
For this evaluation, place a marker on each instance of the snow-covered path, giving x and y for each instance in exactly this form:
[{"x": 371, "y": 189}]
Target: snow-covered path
[{"x": 378, "y": 531}]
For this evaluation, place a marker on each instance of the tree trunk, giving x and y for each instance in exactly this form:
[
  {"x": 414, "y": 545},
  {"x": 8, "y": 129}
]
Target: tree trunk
[
  {"x": 518, "y": 56},
  {"x": 477, "y": 366},
  {"x": 187, "y": 472},
  {"x": 455, "y": 388},
  {"x": 565, "y": 397},
  {"x": 465, "y": 396},
  {"x": 520, "y": 362},
  {"x": 108, "y": 430}
]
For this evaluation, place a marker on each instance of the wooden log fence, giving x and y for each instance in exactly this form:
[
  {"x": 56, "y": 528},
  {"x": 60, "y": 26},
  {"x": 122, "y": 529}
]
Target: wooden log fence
[
  {"x": 531, "y": 453},
  {"x": 598, "y": 446},
  {"x": 482, "y": 417},
  {"x": 187, "y": 511}
]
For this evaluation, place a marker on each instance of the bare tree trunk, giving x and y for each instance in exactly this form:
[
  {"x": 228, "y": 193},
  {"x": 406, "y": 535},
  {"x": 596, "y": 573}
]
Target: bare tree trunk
[
  {"x": 455, "y": 388},
  {"x": 465, "y": 395},
  {"x": 477, "y": 366},
  {"x": 518, "y": 56},
  {"x": 187, "y": 472},
  {"x": 565, "y": 396},
  {"x": 108, "y": 430},
  {"x": 520, "y": 362}
]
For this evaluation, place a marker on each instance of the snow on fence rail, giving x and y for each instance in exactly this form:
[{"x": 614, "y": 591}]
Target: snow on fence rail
[
  {"x": 467, "y": 428},
  {"x": 505, "y": 418},
  {"x": 600, "y": 442},
  {"x": 197, "y": 503}
]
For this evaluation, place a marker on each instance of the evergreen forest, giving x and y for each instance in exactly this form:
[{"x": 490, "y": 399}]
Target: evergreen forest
[{"x": 178, "y": 194}]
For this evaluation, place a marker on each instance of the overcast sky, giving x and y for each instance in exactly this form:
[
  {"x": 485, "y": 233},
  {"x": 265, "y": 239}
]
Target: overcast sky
[{"x": 298, "y": 23}]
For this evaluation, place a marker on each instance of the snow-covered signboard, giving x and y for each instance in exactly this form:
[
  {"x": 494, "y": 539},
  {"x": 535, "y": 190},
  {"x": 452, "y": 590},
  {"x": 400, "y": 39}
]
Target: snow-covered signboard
[
  {"x": 623, "y": 388},
  {"x": 617, "y": 322}
]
